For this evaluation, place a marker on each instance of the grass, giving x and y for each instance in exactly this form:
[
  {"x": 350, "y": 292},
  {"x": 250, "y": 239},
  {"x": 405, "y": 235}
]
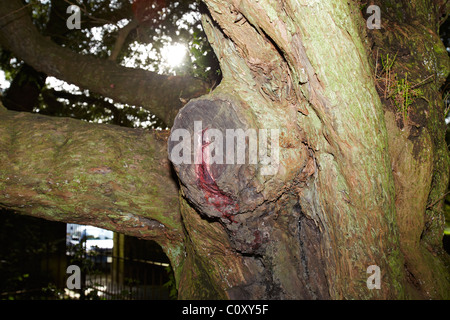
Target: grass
[{"x": 399, "y": 90}]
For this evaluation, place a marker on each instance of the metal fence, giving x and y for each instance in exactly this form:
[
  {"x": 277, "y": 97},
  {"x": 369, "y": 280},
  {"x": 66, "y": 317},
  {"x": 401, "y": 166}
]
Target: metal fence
[
  {"x": 115, "y": 267},
  {"x": 34, "y": 265},
  {"x": 105, "y": 276}
]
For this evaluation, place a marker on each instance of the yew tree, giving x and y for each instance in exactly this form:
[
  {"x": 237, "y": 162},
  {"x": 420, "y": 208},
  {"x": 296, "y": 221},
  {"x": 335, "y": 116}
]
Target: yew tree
[{"x": 362, "y": 170}]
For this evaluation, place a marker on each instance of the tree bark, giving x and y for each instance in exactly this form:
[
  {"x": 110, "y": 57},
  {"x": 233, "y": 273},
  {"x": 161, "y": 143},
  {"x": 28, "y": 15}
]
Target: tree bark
[
  {"x": 67, "y": 170},
  {"x": 157, "y": 93},
  {"x": 356, "y": 184},
  {"x": 342, "y": 198},
  {"x": 419, "y": 153}
]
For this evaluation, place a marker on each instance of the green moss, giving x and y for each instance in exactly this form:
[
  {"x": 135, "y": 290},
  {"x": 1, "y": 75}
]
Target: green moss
[
  {"x": 79, "y": 184},
  {"x": 176, "y": 253}
]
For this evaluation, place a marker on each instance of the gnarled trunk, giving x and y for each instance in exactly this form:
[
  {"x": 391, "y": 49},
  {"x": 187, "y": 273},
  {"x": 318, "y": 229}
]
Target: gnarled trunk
[
  {"x": 303, "y": 168},
  {"x": 352, "y": 186}
]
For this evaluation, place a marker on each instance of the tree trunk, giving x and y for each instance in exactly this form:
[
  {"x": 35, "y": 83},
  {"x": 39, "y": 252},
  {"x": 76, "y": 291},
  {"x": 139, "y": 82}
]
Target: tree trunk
[
  {"x": 335, "y": 177},
  {"x": 355, "y": 185}
]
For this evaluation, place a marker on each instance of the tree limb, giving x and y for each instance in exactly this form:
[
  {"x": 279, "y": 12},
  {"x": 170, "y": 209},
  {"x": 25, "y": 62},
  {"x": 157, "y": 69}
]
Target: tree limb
[
  {"x": 157, "y": 93},
  {"x": 67, "y": 170},
  {"x": 121, "y": 37}
]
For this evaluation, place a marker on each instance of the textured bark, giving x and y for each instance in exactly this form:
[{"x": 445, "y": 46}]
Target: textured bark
[
  {"x": 420, "y": 159},
  {"x": 67, "y": 170},
  {"x": 159, "y": 94},
  {"x": 353, "y": 189},
  {"x": 356, "y": 185}
]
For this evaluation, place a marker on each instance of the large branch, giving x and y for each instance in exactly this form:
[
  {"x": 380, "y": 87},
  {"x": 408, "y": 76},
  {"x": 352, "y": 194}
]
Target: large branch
[
  {"x": 67, "y": 170},
  {"x": 157, "y": 93}
]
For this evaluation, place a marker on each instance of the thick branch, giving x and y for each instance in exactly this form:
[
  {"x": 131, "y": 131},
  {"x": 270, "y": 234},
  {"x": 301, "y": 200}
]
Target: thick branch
[
  {"x": 72, "y": 171},
  {"x": 159, "y": 94},
  {"x": 121, "y": 37}
]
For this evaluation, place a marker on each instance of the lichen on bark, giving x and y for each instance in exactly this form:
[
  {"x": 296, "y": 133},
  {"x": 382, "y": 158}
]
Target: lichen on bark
[{"x": 72, "y": 171}]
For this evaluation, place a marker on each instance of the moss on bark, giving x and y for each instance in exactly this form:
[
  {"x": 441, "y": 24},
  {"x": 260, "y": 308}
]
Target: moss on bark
[{"x": 72, "y": 171}]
